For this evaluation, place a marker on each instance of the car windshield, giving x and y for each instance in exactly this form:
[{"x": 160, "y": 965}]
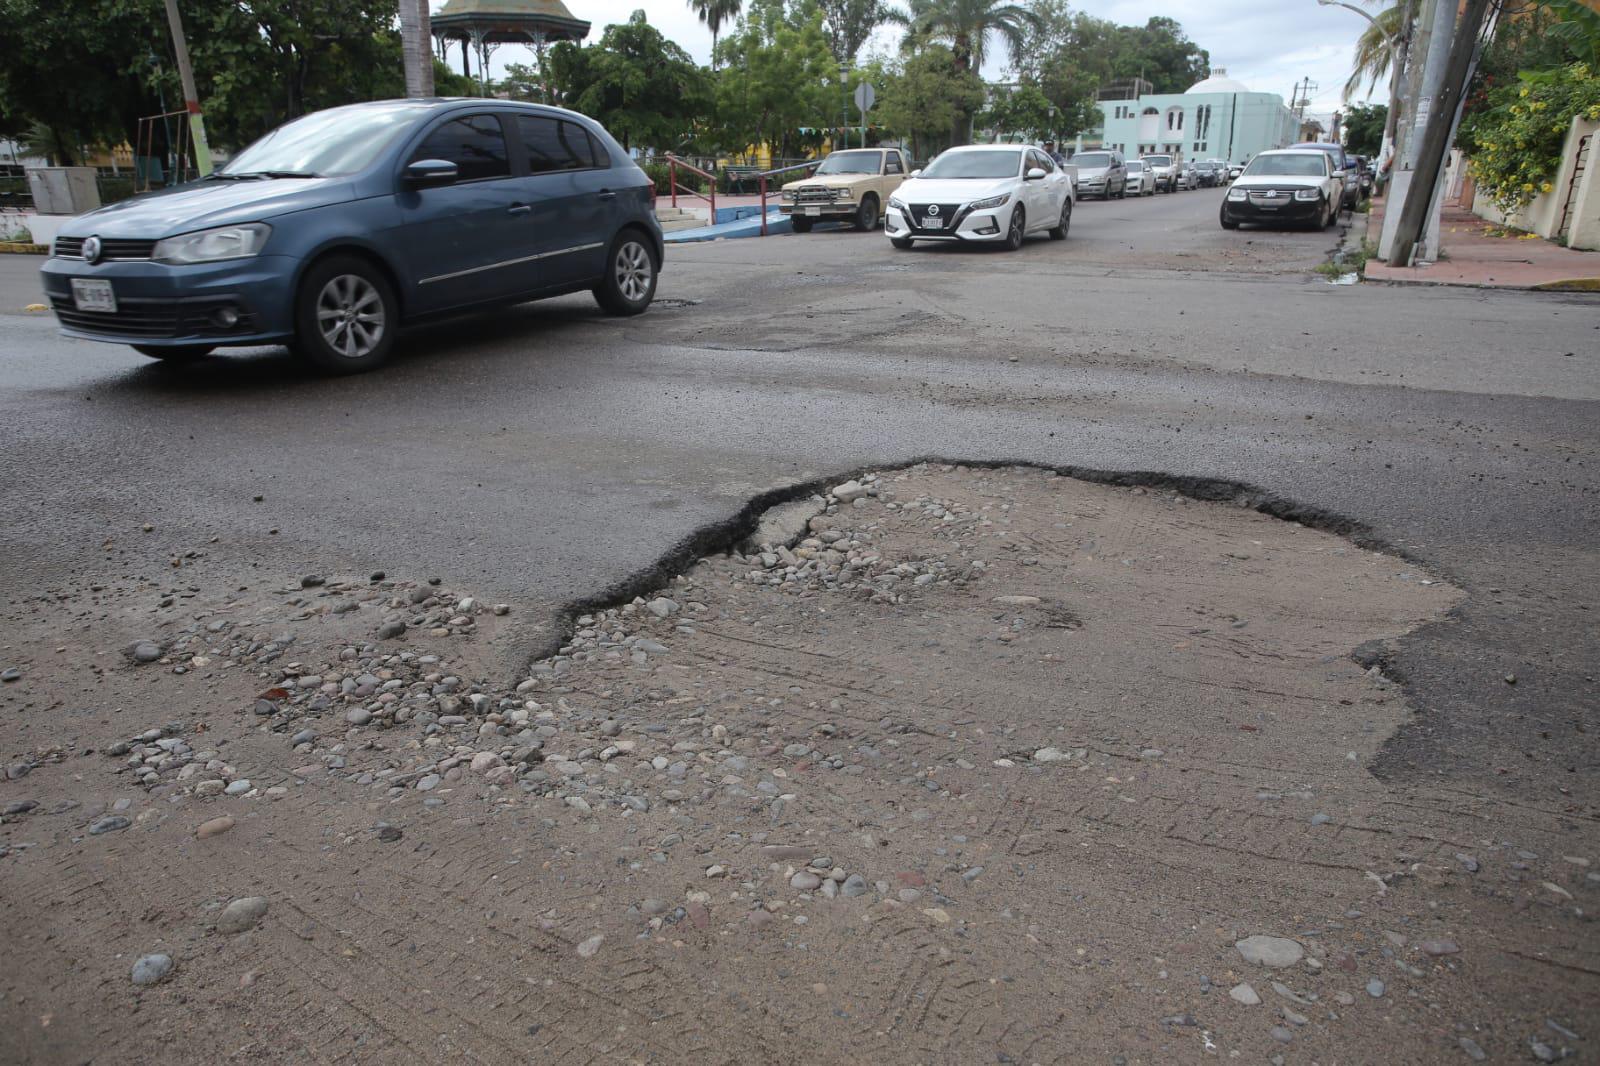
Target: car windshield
[
  {"x": 1092, "y": 159},
  {"x": 1299, "y": 165},
  {"x": 851, "y": 163},
  {"x": 342, "y": 140},
  {"x": 1135, "y": 167},
  {"x": 1158, "y": 160},
  {"x": 982, "y": 164}
]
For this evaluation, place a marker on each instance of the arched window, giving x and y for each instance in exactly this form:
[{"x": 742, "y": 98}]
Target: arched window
[{"x": 1175, "y": 119}]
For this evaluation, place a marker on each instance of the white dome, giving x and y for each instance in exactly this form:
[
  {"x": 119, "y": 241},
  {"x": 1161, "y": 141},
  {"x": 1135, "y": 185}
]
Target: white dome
[{"x": 1218, "y": 83}]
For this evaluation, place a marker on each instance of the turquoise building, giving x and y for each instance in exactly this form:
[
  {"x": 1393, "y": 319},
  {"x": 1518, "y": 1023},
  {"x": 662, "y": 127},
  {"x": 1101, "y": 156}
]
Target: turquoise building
[{"x": 1218, "y": 118}]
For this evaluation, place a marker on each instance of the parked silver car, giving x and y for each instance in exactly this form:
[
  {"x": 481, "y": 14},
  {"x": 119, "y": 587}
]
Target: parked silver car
[{"x": 1101, "y": 173}]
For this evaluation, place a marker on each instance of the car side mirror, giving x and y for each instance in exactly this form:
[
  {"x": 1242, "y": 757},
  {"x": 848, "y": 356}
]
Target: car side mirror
[
  {"x": 916, "y": 173},
  {"x": 1036, "y": 174},
  {"x": 427, "y": 173}
]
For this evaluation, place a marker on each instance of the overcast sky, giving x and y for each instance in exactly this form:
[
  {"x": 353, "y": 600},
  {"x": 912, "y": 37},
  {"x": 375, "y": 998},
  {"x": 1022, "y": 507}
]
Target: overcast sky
[{"x": 1269, "y": 45}]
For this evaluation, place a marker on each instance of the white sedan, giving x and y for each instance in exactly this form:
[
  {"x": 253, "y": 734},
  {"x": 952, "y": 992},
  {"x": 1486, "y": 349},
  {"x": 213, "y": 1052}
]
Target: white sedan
[
  {"x": 1296, "y": 185},
  {"x": 982, "y": 194}
]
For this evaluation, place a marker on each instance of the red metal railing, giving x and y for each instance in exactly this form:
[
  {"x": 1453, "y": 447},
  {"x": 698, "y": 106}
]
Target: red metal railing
[
  {"x": 808, "y": 165},
  {"x": 673, "y": 163}
]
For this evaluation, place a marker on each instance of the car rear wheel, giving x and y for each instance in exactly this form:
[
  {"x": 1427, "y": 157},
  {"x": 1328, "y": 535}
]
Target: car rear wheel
[
  {"x": 346, "y": 316},
  {"x": 902, "y": 243},
  {"x": 630, "y": 279},
  {"x": 188, "y": 353},
  {"x": 867, "y": 214},
  {"x": 801, "y": 225},
  {"x": 1060, "y": 232},
  {"x": 1019, "y": 228}
]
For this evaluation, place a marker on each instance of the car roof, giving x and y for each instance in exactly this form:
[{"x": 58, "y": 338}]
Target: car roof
[
  {"x": 1297, "y": 150},
  {"x": 989, "y": 147}
]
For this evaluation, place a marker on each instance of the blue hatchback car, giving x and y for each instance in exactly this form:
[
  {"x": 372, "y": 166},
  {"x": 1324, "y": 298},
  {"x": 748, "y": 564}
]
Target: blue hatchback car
[{"x": 336, "y": 229}]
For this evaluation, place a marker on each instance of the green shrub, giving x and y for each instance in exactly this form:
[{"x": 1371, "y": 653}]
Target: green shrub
[{"x": 1515, "y": 142}]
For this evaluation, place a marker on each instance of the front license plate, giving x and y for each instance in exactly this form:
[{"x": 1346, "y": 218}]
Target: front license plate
[
  {"x": 93, "y": 296},
  {"x": 813, "y": 210},
  {"x": 933, "y": 222}
]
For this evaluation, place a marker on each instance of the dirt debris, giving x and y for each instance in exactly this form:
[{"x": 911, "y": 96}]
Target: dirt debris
[{"x": 950, "y": 765}]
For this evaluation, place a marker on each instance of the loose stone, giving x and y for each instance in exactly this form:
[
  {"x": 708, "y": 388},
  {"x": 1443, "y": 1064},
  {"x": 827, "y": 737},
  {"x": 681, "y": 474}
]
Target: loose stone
[
  {"x": 242, "y": 914},
  {"x": 152, "y": 969},
  {"x": 1273, "y": 951}
]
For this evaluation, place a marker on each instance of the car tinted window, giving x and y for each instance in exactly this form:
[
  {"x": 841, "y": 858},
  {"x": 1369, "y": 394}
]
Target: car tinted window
[
  {"x": 476, "y": 145},
  {"x": 1040, "y": 160},
  {"x": 893, "y": 165},
  {"x": 551, "y": 144}
]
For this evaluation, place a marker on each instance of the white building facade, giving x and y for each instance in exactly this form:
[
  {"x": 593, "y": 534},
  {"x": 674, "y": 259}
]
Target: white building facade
[{"x": 1218, "y": 118}]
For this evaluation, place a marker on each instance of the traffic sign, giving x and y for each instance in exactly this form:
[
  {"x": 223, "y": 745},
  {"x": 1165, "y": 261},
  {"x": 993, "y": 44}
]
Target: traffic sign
[{"x": 866, "y": 96}]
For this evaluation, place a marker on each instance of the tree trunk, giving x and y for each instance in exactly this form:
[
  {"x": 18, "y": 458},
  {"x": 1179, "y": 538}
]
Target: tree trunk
[
  {"x": 961, "y": 122},
  {"x": 416, "y": 47}
]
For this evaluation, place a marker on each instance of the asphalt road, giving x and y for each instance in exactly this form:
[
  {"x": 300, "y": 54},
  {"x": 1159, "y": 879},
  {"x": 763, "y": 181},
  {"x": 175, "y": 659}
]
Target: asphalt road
[{"x": 541, "y": 454}]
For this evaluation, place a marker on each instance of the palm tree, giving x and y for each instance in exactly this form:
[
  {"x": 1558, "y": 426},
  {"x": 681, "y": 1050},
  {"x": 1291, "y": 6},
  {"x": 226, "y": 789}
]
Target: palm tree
[
  {"x": 966, "y": 25},
  {"x": 714, "y": 13},
  {"x": 1375, "y": 51}
]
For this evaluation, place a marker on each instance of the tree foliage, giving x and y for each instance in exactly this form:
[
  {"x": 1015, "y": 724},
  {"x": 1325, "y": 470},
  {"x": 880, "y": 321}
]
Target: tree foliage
[
  {"x": 923, "y": 97},
  {"x": 1363, "y": 127},
  {"x": 1021, "y": 110},
  {"x": 1515, "y": 140},
  {"x": 716, "y": 14},
  {"x": 643, "y": 88},
  {"x": 848, "y": 24},
  {"x": 777, "y": 75}
]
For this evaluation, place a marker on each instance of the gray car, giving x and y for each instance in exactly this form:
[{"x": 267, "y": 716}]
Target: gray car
[
  {"x": 337, "y": 229},
  {"x": 1102, "y": 174}
]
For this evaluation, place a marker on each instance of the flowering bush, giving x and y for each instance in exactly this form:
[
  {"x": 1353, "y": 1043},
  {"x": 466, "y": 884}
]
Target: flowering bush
[{"x": 1515, "y": 140}]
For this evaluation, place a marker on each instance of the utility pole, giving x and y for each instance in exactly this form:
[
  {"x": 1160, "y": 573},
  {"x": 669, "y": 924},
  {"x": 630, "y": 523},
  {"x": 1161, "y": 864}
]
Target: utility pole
[
  {"x": 1426, "y": 77},
  {"x": 191, "y": 97},
  {"x": 416, "y": 46},
  {"x": 1434, "y": 142}
]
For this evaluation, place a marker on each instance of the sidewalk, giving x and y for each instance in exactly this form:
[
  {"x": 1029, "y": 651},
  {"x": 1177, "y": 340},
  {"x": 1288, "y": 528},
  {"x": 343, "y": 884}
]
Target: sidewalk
[{"x": 1474, "y": 258}]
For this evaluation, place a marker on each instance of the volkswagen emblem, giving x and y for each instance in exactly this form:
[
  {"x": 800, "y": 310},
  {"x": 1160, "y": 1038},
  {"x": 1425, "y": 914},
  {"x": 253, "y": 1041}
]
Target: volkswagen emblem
[
  {"x": 1272, "y": 194},
  {"x": 91, "y": 250},
  {"x": 933, "y": 209}
]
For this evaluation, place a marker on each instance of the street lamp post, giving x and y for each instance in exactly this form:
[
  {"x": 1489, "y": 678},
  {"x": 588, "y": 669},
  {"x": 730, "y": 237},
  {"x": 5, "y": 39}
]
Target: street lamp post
[{"x": 1399, "y": 48}]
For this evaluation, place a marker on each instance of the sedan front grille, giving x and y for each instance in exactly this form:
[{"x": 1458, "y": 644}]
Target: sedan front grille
[
  {"x": 132, "y": 318},
  {"x": 135, "y": 317},
  {"x": 941, "y": 216},
  {"x": 117, "y": 249},
  {"x": 816, "y": 194}
]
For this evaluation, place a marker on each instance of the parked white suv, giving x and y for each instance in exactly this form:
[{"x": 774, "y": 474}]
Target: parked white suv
[{"x": 1163, "y": 172}]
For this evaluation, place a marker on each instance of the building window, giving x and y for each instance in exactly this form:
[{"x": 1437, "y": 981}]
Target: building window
[{"x": 1175, "y": 120}]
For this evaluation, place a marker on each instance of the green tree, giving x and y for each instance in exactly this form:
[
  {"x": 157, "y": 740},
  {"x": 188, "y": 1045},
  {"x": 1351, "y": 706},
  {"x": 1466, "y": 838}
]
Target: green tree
[
  {"x": 1363, "y": 127},
  {"x": 1023, "y": 110},
  {"x": 644, "y": 88},
  {"x": 967, "y": 27},
  {"x": 1069, "y": 56},
  {"x": 1375, "y": 51},
  {"x": 80, "y": 72},
  {"x": 1162, "y": 54},
  {"x": 777, "y": 75},
  {"x": 848, "y": 24},
  {"x": 926, "y": 98},
  {"x": 715, "y": 14}
]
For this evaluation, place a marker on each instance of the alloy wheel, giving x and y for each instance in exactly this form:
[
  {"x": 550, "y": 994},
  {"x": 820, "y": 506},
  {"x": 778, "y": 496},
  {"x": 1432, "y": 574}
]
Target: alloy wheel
[
  {"x": 350, "y": 315},
  {"x": 633, "y": 271}
]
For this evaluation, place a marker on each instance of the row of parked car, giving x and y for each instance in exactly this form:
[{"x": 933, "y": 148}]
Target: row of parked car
[{"x": 1107, "y": 174}]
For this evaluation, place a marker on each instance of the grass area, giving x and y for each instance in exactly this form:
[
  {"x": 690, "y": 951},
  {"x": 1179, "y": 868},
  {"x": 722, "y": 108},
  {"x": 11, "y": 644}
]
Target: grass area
[{"x": 1349, "y": 260}]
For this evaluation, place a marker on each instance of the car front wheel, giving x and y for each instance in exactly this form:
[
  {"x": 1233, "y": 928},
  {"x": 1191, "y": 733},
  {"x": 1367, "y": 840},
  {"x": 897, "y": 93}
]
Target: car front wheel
[
  {"x": 801, "y": 225},
  {"x": 1019, "y": 228},
  {"x": 346, "y": 316},
  {"x": 1060, "y": 231},
  {"x": 1228, "y": 223},
  {"x": 630, "y": 279}
]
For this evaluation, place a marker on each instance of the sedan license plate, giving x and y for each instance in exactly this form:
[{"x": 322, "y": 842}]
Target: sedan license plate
[
  {"x": 813, "y": 210},
  {"x": 932, "y": 222},
  {"x": 93, "y": 296}
]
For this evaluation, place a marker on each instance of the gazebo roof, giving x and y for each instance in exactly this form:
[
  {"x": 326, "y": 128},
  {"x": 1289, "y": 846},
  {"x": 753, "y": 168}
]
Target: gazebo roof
[{"x": 509, "y": 21}]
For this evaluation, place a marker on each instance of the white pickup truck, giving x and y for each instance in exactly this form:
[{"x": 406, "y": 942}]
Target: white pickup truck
[{"x": 1163, "y": 172}]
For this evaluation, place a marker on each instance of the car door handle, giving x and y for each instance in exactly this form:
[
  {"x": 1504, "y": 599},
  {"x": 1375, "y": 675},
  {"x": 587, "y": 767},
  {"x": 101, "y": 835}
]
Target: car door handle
[
  {"x": 519, "y": 209},
  {"x": 606, "y": 194}
]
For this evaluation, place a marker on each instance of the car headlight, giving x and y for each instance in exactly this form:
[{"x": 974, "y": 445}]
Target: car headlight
[
  {"x": 213, "y": 245},
  {"x": 897, "y": 203},
  {"x": 791, "y": 195},
  {"x": 1308, "y": 194},
  {"x": 1237, "y": 194},
  {"x": 993, "y": 201}
]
